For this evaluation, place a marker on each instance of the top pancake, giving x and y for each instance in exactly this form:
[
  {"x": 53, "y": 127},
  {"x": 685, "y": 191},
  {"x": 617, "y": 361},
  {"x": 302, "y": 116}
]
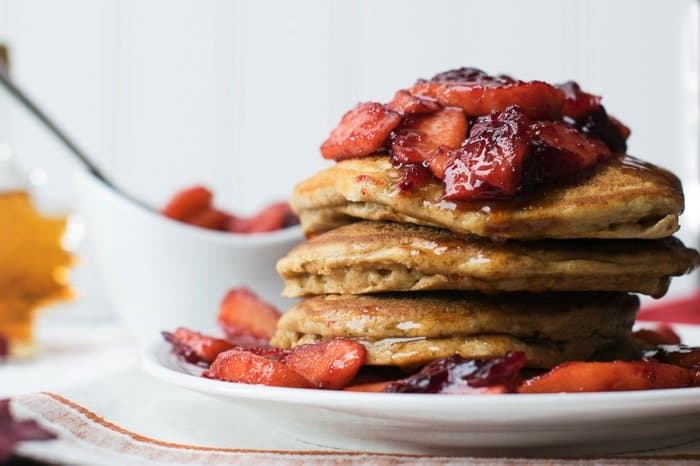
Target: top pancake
[{"x": 625, "y": 198}]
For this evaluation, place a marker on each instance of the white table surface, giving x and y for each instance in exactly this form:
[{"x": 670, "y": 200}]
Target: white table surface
[{"x": 70, "y": 352}]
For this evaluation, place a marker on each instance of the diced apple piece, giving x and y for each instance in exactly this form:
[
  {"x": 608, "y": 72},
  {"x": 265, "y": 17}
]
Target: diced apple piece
[
  {"x": 661, "y": 335},
  {"x": 491, "y": 162},
  {"x": 245, "y": 367},
  {"x": 187, "y": 203},
  {"x": 209, "y": 218},
  {"x": 570, "y": 142},
  {"x": 607, "y": 377},
  {"x": 195, "y": 347},
  {"x": 330, "y": 364},
  {"x": 420, "y": 138},
  {"x": 244, "y": 313},
  {"x": 362, "y": 131},
  {"x": 407, "y": 104},
  {"x": 577, "y": 103},
  {"x": 271, "y": 218},
  {"x": 537, "y": 99}
]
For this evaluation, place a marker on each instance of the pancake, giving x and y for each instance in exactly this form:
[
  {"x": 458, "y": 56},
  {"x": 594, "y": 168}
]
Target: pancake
[
  {"x": 370, "y": 257},
  {"x": 414, "y": 352},
  {"x": 625, "y": 198},
  {"x": 409, "y": 329}
]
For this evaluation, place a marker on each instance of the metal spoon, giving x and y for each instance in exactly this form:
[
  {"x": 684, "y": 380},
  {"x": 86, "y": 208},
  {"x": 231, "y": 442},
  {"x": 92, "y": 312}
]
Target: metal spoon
[{"x": 84, "y": 159}]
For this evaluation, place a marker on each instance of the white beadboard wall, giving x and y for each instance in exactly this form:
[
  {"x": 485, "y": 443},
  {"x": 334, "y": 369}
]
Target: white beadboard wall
[{"x": 239, "y": 94}]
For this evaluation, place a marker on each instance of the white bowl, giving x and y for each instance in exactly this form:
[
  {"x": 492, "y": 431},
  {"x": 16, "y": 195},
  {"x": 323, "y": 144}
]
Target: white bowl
[{"x": 160, "y": 274}]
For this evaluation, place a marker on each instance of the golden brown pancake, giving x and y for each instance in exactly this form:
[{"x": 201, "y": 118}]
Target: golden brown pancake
[
  {"x": 415, "y": 352},
  {"x": 625, "y": 198},
  {"x": 409, "y": 329},
  {"x": 369, "y": 257}
]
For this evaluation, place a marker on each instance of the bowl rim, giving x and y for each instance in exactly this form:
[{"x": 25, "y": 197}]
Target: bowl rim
[{"x": 83, "y": 177}]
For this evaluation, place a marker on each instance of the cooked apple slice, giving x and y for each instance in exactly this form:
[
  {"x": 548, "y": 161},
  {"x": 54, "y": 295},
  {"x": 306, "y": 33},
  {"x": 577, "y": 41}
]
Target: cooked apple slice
[
  {"x": 210, "y": 218},
  {"x": 271, "y": 218},
  {"x": 537, "y": 99},
  {"x": 330, "y": 364},
  {"x": 608, "y": 377},
  {"x": 577, "y": 103},
  {"x": 244, "y": 313},
  {"x": 660, "y": 335},
  {"x": 571, "y": 142},
  {"x": 407, "y": 104},
  {"x": 362, "y": 131},
  {"x": 245, "y": 367},
  {"x": 187, "y": 203},
  {"x": 195, "y": 347},
  {"x": 491, "y": 161},
  {"x": 419, "y": 138}
]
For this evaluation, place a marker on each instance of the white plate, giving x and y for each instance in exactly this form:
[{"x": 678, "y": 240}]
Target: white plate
[{"x": 543, "y": 424}]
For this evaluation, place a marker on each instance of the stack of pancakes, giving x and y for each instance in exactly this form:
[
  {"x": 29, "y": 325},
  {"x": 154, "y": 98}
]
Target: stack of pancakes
[{"x": 415, "y": 278}]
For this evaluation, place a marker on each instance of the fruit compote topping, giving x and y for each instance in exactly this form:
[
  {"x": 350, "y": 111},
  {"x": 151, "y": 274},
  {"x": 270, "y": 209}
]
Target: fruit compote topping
[
  {"x": 414, "y": 176},
  {"x": 470, "y": 75},
  {"x": 194, "y": 206},
  {"x": 362, "y": 131},
  {"x": 584, "y": 111},
  {"x": 244, "y": 353},
  {"x": 680, "y": 355},
  {"x": 243, "y": 314},
  {"x": 195, "y": 347},
  {"x": 490, "y": 163},
  {"x": 482, "y": 136},
  {"x": 455, "y": 375}
]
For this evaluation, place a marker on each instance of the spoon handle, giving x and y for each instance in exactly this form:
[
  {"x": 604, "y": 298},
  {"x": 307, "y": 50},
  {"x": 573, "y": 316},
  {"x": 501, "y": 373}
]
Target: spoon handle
[
  {"x": 22, "y": 97},
  {"x": 51, "y": 126}
]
